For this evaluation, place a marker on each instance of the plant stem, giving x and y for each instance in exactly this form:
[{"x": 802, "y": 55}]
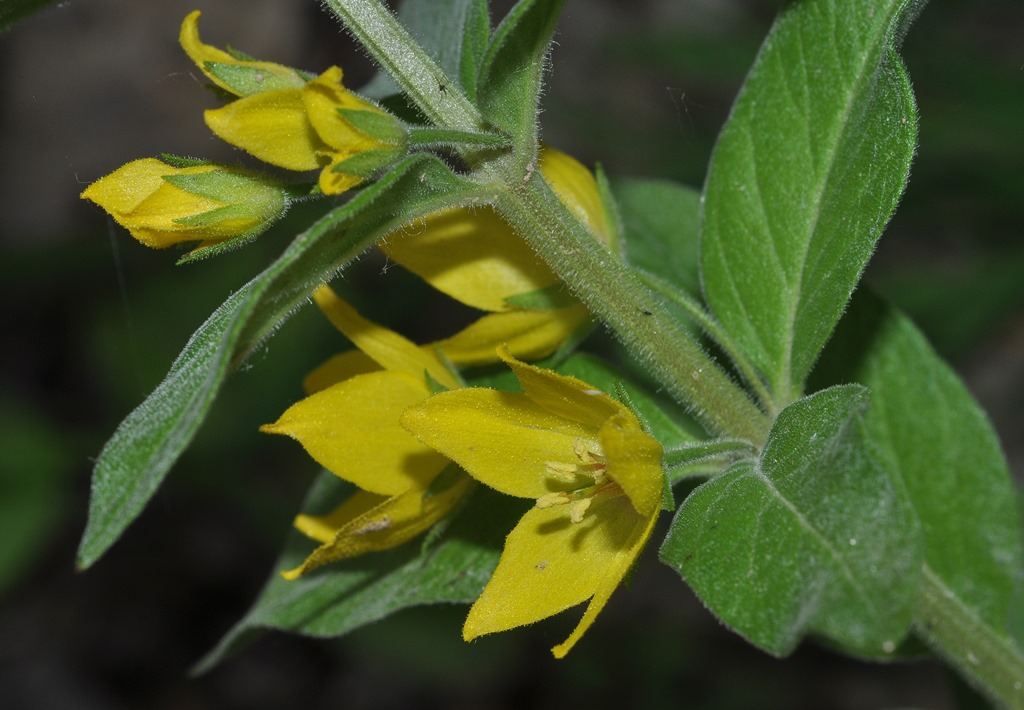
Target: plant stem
[
  {"x": 612, "y": 292},
  {"x": 714, "y": 331},
  {"x": 604, "y": 283},
  {"x": 409, "y": 65},
  {"x": 986, "y": 658}
]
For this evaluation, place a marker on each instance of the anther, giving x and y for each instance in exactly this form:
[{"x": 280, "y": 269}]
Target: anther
[
  {"x": 578, "y": 508},
  {"x": 549, "y": 500}
]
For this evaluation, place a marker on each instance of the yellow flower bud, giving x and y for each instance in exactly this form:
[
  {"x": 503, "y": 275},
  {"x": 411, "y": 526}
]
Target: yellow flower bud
[
  {"x": 294, "y": 123},
  {"x": 161, "y": 204}
]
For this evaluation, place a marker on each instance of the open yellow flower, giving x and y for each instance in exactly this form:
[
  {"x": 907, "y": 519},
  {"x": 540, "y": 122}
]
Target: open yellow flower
[
  {"x": 350, "y": 425},
  {"x": 294, "y": 123},
  {"x": 476, "y": 258},
  {"x": 162, "y": 204},
  {"x": 594, "y": 472}
]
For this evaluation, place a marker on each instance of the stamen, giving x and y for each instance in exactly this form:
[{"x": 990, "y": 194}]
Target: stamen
[
  {"x": 561, "y": 470},
  {"x": 586, "y": 451},
  {"x": 549, "y": 500}
]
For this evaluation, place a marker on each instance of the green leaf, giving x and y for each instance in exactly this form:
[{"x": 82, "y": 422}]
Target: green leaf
[
  {"x": 543, "y": 299},
  {"x": 341, "y": 597},
  {"x": 804, "y": 177},
  {"x": 476, "y": 33},
  {"x": 659, "y": 221},
  {"x": 940, "y": 444},
  {"x": 811, "y": 537},
  {"x": 148, "y": 442},
  {"x": 513, "y": 72},
  {"x": 433, "y": 23}
]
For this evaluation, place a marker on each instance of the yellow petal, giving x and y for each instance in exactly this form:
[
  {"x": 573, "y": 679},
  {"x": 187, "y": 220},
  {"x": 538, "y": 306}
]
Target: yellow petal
[
  {"x": 528, "y": 335},
  {"x": 323, "y": 528},
  {"x": 633, "y": 458},
  {"x": 391, "y": 523},
  {"x": 204, "y": 54},
  {"x": 563, "y": 395},
  {"x": 322, "y": 97},
  {"x": 272, "y": 126},
  {"x": 139, "y": 198},
  {"x": 389, "y": 349},
  {"x": 334, "y": 183},
  {"x": 577, "y": 189},
  {"x": 550, "y": 564},
  {"x": 471, "y": 255},
  {"x": 352, "y": 429},
  {"x": 337, "y": 369},
  {"x": 502, "y": 439},
  {"x": 616, "y": 568}
]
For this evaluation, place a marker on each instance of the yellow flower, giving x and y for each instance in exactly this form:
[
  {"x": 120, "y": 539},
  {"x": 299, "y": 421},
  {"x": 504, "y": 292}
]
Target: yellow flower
[
  {"x": 161, "y": 204},
  {"x": 350, "y": 425},
  {"x": 476, "y": 258},
  {"x": 294, "y": 123},
  {"x": 594, "y": 472}
]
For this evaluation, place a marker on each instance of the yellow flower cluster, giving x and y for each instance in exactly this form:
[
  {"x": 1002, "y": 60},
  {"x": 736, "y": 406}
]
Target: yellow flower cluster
[
  {"x": 276, "y": 114},
  {"x": 375, "y": 418},
  {"x": 395, "y": 418}
]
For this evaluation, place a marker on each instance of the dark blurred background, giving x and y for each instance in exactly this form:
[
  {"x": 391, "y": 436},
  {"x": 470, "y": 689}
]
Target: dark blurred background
[{"x": 91, "y": 322}]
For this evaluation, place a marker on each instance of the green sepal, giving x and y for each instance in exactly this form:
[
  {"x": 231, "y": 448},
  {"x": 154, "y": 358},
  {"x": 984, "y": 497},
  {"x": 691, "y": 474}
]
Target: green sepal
[
  {"x": 139, "y": 455},
  {"x": 184, "y": 161},
  {"x": 249, "y": 80},
  {"x": 512, "y": 73},
  {"x": 369, "y": 163},
  {"x": 814, "y": 536},
  {"x": 212, "y": 217},
  {"x": 339, "y": 598},
  {"x": 548, "y": 298},
  {"x": 382, "y": 126},
  {"x": 233, "y": 187},
  {"x": 208, "y": 250}
]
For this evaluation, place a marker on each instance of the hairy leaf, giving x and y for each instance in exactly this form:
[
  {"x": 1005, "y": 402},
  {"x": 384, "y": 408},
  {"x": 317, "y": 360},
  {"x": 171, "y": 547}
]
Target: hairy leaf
[
  {"x": 940, "y": 444},
  {"x": 433, "y": 23},
  {"x": 513, "y": 71},
  {"x": 138, "y": 456},
  {"x": 813, "y": 537},
  {"x": 659, "y": 221},
  {"x": 804, "y": 177}
]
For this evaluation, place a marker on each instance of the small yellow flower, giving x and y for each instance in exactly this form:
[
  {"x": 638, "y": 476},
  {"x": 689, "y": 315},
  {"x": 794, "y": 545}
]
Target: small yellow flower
[
  {"x": 162, "y": 204},
  {"x": 476, "y": 258},
  {"x": 287, "y": 120},
  {"x": 594, "y": 472},
  {"x": 350, "y": 425}
]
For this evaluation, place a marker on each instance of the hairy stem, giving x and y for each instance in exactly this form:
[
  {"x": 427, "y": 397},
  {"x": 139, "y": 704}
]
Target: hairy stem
[{"x": 985, "y": 657}]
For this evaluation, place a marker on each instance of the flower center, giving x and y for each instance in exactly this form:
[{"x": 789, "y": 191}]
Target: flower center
[{"x": 587, "y": 475}]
